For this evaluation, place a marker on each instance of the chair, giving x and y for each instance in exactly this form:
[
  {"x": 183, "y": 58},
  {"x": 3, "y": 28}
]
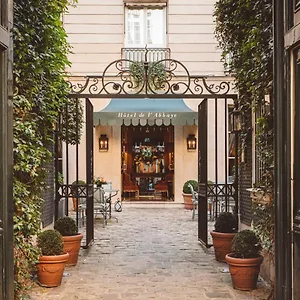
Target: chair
[
  {"x": 101, "y": 205},
  {"x": 129, "y": 186},
  {"x": 194, "y": 200},
  {"x": 162, "y": 186}
]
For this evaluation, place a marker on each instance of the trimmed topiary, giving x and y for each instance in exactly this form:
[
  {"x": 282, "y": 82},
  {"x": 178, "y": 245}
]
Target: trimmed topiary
[
  {"x": 50, "y": 242},
  {"x": 246, "y": 244},
  {"x": 76, "y": 187},
  {"x": 186, "y": 188},
  {"x": 226, "y": 223},
  {"x": 66, "y": 226}
]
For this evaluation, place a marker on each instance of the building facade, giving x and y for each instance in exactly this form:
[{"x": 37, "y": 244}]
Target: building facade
[{"x": 101, "y": 33}]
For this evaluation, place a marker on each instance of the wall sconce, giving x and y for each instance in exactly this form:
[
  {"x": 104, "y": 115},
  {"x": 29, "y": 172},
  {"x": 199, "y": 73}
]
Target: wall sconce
[
  {"x": 103, "y": 142},
  {"x": 236, "y": 121},
  {"x": 191, "y": 142}
]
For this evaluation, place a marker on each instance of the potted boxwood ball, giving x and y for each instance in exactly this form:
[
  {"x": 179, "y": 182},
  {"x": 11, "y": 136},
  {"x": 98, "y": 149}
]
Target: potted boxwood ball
[
  {"x": 52, "y": 262},
  {"x": 225, "y": 230},
  {"x": 67, "y": 227},
  {"x": 245, "y": 259},
  {"x": 187, "y": 194}
]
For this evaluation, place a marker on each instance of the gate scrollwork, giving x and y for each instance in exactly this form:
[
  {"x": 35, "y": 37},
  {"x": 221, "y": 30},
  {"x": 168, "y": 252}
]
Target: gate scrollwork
[{"x": 163, "y": 77}]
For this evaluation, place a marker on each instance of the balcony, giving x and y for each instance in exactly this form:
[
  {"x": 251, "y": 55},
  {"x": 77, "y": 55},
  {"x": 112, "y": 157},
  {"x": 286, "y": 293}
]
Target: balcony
[{"x": 140, "y": 54}]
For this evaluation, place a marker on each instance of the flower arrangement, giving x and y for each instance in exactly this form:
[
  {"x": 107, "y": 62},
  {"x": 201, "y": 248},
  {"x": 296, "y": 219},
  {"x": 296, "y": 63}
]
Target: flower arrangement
[
  {"x": 99, "y": 181},
  {"x": 145, "y": 156}
]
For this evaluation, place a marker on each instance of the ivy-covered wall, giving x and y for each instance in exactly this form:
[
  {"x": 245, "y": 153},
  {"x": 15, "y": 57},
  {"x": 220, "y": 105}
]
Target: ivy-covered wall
[
  {"x": 244, "y": 32},
  {"x": 40, "y": 59}
]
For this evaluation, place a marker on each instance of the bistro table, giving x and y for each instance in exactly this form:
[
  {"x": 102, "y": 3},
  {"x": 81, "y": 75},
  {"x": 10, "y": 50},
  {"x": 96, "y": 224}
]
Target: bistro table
[{"x": 109, "y": 193}]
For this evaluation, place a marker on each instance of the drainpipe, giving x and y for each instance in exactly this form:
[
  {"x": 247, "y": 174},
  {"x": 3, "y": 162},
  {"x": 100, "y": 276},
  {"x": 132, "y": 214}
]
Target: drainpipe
[{"x": 283, "y": 283}]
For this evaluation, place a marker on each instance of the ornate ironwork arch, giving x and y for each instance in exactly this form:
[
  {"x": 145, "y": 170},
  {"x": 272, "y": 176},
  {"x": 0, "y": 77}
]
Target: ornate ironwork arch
[{"x": 166, "y": 78}]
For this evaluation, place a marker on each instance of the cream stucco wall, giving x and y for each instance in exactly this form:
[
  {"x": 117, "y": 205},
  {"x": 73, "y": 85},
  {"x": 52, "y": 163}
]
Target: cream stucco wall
[{"x": 96, "y": 32}]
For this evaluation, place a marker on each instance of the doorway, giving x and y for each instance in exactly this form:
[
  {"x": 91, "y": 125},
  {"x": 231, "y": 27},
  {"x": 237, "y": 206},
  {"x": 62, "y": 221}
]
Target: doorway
[{"x": 147, "y": 163}]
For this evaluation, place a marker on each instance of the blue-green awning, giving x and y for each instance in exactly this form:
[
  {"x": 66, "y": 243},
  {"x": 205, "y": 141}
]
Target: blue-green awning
[{"x": 146, "y": 111}]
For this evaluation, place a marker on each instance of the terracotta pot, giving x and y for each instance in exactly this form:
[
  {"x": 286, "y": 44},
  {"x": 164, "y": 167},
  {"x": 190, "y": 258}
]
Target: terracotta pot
[
  {"x": 244, "y": 271},
  {"x": 51, "y": 268},
  {"x": 222, "y": 244},
  {"x": 188, "y": 203},
  {"x": 72, "y": 246}
]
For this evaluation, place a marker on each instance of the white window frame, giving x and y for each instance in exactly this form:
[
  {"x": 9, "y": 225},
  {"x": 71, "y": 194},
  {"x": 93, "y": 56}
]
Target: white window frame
[{"x": 143, "y": 44}]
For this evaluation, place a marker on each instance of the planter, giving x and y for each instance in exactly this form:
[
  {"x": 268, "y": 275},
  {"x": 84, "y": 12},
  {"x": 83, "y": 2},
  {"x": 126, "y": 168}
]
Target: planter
[
  {"x": 188, "y": 203},
  {"x": 51, "y": 268},
  {"x": 222, "y": 244},
  {"x": 244, "y": 271},
  {"x": 72, "y": 246}
]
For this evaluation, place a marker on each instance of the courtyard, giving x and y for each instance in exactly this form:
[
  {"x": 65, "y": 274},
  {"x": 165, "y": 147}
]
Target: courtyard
[{"x": 148, "y": 254}]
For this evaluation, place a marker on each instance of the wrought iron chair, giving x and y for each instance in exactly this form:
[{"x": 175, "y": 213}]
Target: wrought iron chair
[
  {"x": 194, "y": 200},
  {"x": 101, "y": 206}
]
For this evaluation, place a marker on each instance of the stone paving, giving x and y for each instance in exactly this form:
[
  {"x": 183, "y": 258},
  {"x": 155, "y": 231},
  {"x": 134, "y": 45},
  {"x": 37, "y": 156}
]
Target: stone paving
[{"x": 148, "y": 254}]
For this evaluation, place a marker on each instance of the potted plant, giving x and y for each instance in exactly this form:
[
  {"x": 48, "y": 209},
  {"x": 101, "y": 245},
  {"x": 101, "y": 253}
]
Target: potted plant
[
  {"x": 52, "y": 262},
  {"x": 225, "y": 230},
  {"x": 187, "y": 194},
  {"x": 67, "y": 227},
  {"x": 99, "y": 181},
  {"x": 245, "y": 259},
  {"x": 77, "y": 189}
]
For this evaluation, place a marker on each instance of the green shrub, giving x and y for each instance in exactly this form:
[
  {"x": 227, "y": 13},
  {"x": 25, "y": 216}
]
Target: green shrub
[
  {"x": 75, "y": 187},
  {"x": 246, "y": 244},
  {"x": 50, "y": 242},
  {"x": 186, "y": 188},
  {"x": 226, "y": 222},
  {"x": 66, "y": 226}
]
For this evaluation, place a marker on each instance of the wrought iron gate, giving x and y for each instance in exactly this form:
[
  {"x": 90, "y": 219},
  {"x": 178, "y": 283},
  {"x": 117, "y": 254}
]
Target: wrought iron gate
[
  {"x": 81, "y": 190},
  {"x": 119, "y": 81},
  {"x": 219, "y": 192}
]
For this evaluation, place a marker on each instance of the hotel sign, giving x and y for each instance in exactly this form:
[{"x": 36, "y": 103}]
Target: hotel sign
[{"x": 147, "y": 115}]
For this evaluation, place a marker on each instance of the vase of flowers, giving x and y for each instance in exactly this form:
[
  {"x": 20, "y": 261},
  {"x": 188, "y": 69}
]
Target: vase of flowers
[{"x": 99, "y": 181}]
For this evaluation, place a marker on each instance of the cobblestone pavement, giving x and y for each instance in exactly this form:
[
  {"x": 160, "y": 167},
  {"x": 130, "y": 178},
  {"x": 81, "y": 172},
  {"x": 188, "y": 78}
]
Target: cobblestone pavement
[{"x": 148, "y": 254}]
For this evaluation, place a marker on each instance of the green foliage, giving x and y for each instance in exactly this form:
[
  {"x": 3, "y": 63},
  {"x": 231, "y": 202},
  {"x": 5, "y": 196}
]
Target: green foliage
[
  {"x": 246, "y": 244},
  {"x": 186, "y": 188},
  {"x": 50, "y": 242},
  {"x": 244, "y": 32},
  {"x": 26, "y": 258},
  {"x": 40, "y": 59},
  {"x": 263, "y": 223},
  {"x": 66, "y": 226},
  {"x": 226, "y": 222},
  {"x": 156, "y": 74},
  {"x": 78, "y": 187},
  {"x": 72, "y": 131}
]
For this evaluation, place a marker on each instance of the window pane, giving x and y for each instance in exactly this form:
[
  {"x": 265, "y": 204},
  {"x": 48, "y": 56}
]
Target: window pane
[
  {"x": 135, "y": 27},
  {"x": 155, "y": 27}
]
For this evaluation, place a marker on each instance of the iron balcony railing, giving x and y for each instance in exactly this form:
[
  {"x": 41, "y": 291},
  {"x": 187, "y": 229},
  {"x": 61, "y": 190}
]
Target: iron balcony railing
[{"x": 146, "y": 54}]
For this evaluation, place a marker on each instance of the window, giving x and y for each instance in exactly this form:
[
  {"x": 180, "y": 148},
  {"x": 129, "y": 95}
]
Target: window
[{"x": 145, "y": 26}]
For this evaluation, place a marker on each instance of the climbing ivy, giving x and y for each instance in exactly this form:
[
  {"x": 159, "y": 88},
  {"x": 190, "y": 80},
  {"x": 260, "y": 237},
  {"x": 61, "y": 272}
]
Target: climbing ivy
[
  {"x": 244, "y": 32},
  {"x": 156, "y": 74},
  {"x": 40, "y": 59}
]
